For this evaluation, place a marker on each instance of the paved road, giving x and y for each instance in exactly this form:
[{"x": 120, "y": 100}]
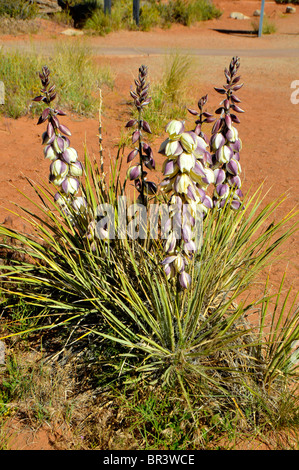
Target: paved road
[
  {"x": 48, "y": 47},
  {"x": 136, "y": 51}
]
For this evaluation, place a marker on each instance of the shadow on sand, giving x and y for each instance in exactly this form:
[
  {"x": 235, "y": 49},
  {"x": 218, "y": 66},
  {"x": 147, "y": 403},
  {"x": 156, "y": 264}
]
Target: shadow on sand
[{"x": 237, "y": 32}]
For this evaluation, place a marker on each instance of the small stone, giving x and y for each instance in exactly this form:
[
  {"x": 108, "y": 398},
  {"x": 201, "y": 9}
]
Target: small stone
[
  {"x": 2, "y": 353},
  {"x": 72, "y": 32},
  {"x": 238, "y": 16},
  {"x": 257, "y": 13},
  {"x": 290, "y": 10}
]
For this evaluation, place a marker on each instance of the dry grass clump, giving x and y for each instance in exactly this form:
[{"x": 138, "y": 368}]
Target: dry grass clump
[{"x": 15, "y": 26}]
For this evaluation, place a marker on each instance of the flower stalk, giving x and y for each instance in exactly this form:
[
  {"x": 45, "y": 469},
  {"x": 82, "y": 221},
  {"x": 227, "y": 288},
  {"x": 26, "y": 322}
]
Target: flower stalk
[
  {"x": 137, "y": 173},
  {"x": 65, "y": 168},
  {"x": 225, "y": 143}
]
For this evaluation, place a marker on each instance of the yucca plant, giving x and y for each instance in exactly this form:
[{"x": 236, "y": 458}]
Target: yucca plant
[{"x": 166, "y": 330}]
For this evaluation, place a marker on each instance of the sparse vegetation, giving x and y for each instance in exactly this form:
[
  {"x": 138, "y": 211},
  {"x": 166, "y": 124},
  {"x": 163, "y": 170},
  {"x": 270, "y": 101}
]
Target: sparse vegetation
[
  {"x": 269, "y": 26},
  {"x": 18, "y": 9},
  {"x": 152, "y": 14},
  {"x": 169, "y": 94},
  {"x": 79, "y": 85}
]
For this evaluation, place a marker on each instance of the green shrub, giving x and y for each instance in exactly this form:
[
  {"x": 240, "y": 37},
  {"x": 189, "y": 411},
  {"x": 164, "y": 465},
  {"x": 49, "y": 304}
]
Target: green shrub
[
  {"x": 18, "y": 9},
  {"x": 188, "y": 12},
  {"x": 268, "y": 26},
  {"x": 295, "y": 2},
  {"x": 152, "y": 14},
  {"x": 102, "y": 23}
]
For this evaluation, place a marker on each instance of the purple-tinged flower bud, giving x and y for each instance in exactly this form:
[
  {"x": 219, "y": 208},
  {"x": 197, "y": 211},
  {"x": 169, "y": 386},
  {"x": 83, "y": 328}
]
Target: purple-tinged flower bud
[
  {"x": 76, "y": 169},
  {"x": 65, "y": 130},
  {"x": 169, "y": 271},
  {"x": 220, "y": 90},
  {"x": 146, "y": 127},
  {"x": 235, "y": 99},
  {"x": 207, "y": 159},
  {"x": 43, "y": 116},
  {"x": 169, "y": 260},
  {"x": 170, "y": 243},
  {"x": 191, "y": 194},
  {"x": 237, "y": 108},
  {"x": 237, "y": 87},
  {"x": 228, "y": 122},
  {"x": 189, "y": 247},
  {"x": 216, "y": 126},
  {"x": 186, "y": 162},
  {"x": 39, "y": 98},
  {"x": 150, "y": 164},
  {"x": 46, "y": 139},
  {"x": 132, "y": 155},
  {"x": 232, "y": 134},
  {"x": 131, "y": 123},
  {"x": 134, "y": 172},
  {"x": 60, "y": 199},
  {"x": 189, "y": 141},
  {"x": 235, "y": 118},
  {"x": 182, "y": 183},
  {"x": 207, "y": 202},
  {"x": 222, "y": 191},
  {"x": 179, "y": 263},
  {"x": 217, "y": 141},
  {"x": 70, "y": 185},
  {"x": 59, "y": 168},
  {"x": 234, "y": 181},
  {"x": 50, "y": 129},
  {"x": 59, "y": 112},
  {"x": 57, "y": 180},
  {"x": 61, "y": 143},
  {"x": 235, "y": 204},
  {"x": 236, "y": 146},
  {"x": 192, "y": 111},
  {"x": 201, "y": 147},
  {"x": 170, "y": 168},
  {"x": 209, "y": 177},
  {"x": 163, "y": 147},
  {"x": 135, "y": 136},
  {"x": 50, "y": 153},
  {"x": 233, "y": 167},
  {"x": 185, "y": 280},
  {"x": 224, "y": 154},
  {"x": 226, "y": 104},
  {"x": 175, "y": 129},
  {"x": 219, "y": 176},
  {"x": 70, "y": 155},
  {"x": 79, "y": 204},
  {"x": 173, "y": 148},
  {"x": 55, "y": 122},
  {"x": 186, "y": 232},
  {"x": 198, "y": 171}
]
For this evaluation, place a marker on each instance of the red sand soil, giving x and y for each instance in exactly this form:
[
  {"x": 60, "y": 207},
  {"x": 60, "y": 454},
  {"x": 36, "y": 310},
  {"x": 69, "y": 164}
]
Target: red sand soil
[{"x": 268, "y": 129}]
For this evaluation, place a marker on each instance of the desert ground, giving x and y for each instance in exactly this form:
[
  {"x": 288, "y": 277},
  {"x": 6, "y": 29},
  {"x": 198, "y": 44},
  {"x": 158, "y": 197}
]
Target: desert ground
[{"x": 268, "y": 129}]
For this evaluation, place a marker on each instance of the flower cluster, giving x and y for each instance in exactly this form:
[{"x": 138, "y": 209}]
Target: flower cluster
[
  {"x": 65, "y": 168},
  {"x": 137, "y": 173},
  {"x": 225, "y": 144},
  {"x": 187, "y": 176}
]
